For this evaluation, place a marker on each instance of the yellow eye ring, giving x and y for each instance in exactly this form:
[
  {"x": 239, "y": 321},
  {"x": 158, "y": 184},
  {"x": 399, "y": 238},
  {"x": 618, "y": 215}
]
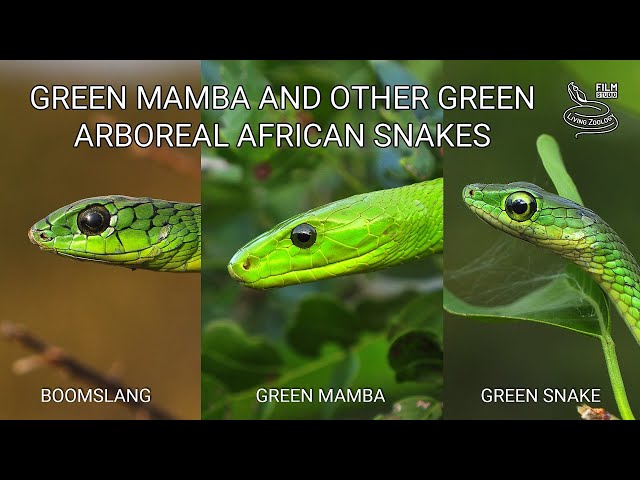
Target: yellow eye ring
[{"x": 520, "y": 206}]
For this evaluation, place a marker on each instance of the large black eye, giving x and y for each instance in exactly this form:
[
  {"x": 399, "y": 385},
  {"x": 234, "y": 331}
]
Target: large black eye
[
  {"x": 303, "y": 236},
  {"x": 521, "y": 206},
  {"x": 94, "y": 220}
]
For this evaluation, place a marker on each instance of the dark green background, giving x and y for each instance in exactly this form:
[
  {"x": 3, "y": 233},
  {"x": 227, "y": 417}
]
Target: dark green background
[{"x": 605, "y": 169}]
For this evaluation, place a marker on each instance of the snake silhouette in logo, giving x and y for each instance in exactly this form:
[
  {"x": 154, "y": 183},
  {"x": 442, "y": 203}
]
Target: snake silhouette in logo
[{"x": 589, "y": 116}]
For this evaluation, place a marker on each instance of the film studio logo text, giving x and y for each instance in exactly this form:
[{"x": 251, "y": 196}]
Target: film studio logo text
[{"x": 591, "y": 116}]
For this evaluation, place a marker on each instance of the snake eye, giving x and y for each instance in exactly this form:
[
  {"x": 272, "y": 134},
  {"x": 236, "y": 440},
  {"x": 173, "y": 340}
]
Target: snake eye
[
  {"x": 94, "y": 220},
  {"x": 303, "y": 236},
  {"x": 521, "y": 206}
]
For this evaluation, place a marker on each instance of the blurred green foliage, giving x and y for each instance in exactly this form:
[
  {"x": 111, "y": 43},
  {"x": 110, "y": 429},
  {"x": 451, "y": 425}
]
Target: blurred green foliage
[{"x": 379, "y": 330}]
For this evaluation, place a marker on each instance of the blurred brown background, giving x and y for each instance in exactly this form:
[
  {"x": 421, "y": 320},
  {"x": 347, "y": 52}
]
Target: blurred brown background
[{"x": 144, "y": 325}]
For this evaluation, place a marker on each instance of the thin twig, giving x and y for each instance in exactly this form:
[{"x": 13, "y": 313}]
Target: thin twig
[{"x": 55, "y": 356}]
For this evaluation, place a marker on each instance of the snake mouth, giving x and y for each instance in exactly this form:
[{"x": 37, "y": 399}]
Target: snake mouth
[
  {"x": 39, "y": 238},
  {"x": 234, "y": 275},
  {"x": 240, "y": 265},
  {"x": 339, "y": 268},
  {"x": 46, "y": 244},
  {"x": 490, "y": 220},
  {"x": 470, "y": 190}
]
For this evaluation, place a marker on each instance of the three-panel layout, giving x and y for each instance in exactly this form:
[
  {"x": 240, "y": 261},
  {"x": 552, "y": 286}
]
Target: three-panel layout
[{"x": 413, "y": 240}]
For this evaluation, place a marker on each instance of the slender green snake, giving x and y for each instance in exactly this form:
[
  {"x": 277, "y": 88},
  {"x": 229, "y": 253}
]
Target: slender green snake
[
  {"x": 126, "y": 231},
  {"x": 576, "y": 233},
  {"x": 358, "y": 234}
]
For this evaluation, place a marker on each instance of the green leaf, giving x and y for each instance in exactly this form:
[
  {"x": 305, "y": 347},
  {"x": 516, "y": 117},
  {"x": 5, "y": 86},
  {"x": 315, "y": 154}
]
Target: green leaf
[
  {"x": 343, "y": 375},
  {"x": 551, "y": 157},
  {"x": 374, "y": 315},
  {"x": 424, "y": 313},
  {"x": 392, "y": 73},
  {"x": 373, "y": 372},
  {"x": 420, "y": 163},
  {"x": 210, "y": 72},
  {"x": 573, "y": 301},
  {"x": 549, "y": 152},
  {"x": 237, "y": 360},
  {"x": 416, "y": 351},
  {"x": 426, "y": 71},
  {"x": 265, "y": 410},
  {"x": 213, "y": 397},
  {"x": 247, "y": 74},
  {"x": 414, "y": 408},
  {"x": 320, "y": 319},
  {"x": 416, "y": 357},
  {"x": 210, "y": 75}
]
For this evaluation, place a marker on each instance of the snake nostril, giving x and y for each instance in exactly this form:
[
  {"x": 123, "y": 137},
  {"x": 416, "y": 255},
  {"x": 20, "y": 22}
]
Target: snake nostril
[
  {"x": 43, "y": 236},
  {"x": 246, "y": 265},
  {"x": 471, "y": 192}
]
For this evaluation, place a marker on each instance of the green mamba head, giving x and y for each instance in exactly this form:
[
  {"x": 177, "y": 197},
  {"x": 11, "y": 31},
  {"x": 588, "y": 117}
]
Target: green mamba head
[
  {"x": 320, "y": 243},
  {"x": 126, "y": 231},
  {"x": 526, "y": 211},
  {"x": 361, "y": 233}
]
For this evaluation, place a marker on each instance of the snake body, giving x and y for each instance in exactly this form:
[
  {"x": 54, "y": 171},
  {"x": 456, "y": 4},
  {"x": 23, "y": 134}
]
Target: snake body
[
  {"x": 559, "y": 225},
  {"x": 131, "y": 232},
  {"x": 358, "y": 234}
]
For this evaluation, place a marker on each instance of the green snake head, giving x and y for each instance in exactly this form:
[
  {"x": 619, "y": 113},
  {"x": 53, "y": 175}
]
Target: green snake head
[
  {"x": 561, "y": 226},
  {"x": 358, "y": 234},
  {"x": 526, "y": 211},
  {"x": 126, "y": 231}
]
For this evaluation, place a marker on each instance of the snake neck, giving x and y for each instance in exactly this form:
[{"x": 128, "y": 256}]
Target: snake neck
[
  {"x": 603, "y": 254},
  {"x": 193, "y": 261}
]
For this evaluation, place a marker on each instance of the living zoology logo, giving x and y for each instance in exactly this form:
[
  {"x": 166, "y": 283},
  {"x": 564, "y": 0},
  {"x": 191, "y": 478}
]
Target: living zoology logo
[{"x": 589, "y": 116}]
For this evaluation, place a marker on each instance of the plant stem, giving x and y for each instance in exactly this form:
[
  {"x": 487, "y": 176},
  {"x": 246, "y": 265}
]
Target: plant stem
[{"x": 609, "y": 350}]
